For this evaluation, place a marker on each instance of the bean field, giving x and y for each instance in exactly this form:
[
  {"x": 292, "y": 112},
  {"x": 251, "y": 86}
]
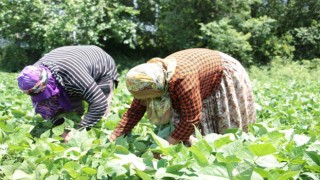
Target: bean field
[{"x": 283, "y": 144}]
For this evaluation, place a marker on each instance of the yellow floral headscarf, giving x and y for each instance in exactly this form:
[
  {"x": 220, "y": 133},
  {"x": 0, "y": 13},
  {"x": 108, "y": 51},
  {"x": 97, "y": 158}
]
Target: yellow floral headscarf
[{"x": 149, "y": 82}]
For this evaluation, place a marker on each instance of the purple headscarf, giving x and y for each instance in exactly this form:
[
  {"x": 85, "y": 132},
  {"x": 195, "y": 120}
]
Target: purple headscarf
[{"x": 48, "y": 97}]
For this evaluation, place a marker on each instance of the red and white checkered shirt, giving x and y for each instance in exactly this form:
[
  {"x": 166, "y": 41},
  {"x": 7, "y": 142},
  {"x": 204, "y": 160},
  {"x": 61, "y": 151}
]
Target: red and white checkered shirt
[{"x": 197, "y": 76}]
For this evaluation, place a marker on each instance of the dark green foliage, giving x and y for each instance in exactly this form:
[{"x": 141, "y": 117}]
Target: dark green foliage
[
  {"x": 13, "y": 58},
  {"x": 224, "y": 37},
  {"x": 254, "y": 31},
  {"x": 307, "y": 41},
  {"x": 265, "y": 43}
]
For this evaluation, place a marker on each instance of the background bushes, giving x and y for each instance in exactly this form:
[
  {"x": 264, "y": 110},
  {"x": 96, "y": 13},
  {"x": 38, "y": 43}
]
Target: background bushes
[
  {"x": 254, "y": 31},
  {"x": 13, "y": 58}
]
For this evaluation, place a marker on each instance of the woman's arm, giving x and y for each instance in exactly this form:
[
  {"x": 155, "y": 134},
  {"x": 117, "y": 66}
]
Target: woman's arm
[
  {"x": 187, "y": 90},
  {"x": 129, "y": 119},
  {"x": 98, "y": 105}
]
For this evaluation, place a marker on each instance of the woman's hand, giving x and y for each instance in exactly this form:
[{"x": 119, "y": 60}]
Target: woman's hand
[
  {"x": 172, "y": 141},
  {"x": 67, "y": 136},
  {"x": 112, "y": 138},
  {"x": 192, "y": 140}
]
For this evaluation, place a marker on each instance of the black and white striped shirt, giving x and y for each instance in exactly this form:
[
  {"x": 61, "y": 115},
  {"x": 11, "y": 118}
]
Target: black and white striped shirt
[{"x": 78, "y": 69}]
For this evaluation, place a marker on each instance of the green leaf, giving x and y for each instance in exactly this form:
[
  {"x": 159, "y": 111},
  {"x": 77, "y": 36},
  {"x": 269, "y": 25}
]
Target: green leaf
[
  {"x": 27, "y": 167},
  {"x": 143, "y": 175},
  {"x": 268, "y": 161},
  {"x": 58, "y": 130},
  {"x": 56, "y": 148},
  {"x": 72, "y": 168},
  {"x": 234, "y": 148},
  {"x": 164, "y": 131},
  {"x": 313, "y": 168},
  {"x": 199, "y": 156},
  {"x": 159, "y": 141},
  {"x": 68, "y": 123},
  {"x": 140, "y": 146},
  {"x": 314, "y": 156},
  {"x": 262, "y": 149},
  {"x": 8, "y": 170},
  {"x": 242, "y": 171},
  {"x": 204, "y": 146},
  {"x": 131, "y": 159},
  {"x": 301, "y": 139},
  {"x": 314, "y": 147},
  {"x": 312, "y": 176},
  {"x": 122, "y": 142},
  {"x": 18, "y": 113},
  {"x": 225, "y": 139},
  {"x": 256, "y": 176},
  {"x": 162, "y": 163},
  {"x": 53, "y": 177},
  {"x": 46, "y": 134},
  {"x": 89, "y": 170},
  {"x": 288, "y": 175},
  {"x": 121, "y": 150},
  {"x": 81, "y": 139},
  {"x": 213, "y": 172},
  {"x": 112, "y": 121},
  {"x": 177, "y": 167},
  {"x": 161, "y": 174},
  {"x": 111, "y": 168},
  {"x": 258, "y": 129},
  {"x": 227, "y": 159},
  {"x": 264, "y": 173},
  {"x": 26, "y": 128},
  {"x": 197, "y": 132},
  {"x": 18, "y": 174},
  {"x": 41, "y": 171}
]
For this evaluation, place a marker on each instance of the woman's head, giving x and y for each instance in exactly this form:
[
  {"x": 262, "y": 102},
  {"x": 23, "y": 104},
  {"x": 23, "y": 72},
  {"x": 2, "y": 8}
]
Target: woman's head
[
  {"x": 150, "y": 82},
  {"x": 146, "y": 80},
  {"x": 33, "y": 80},
  {"x": 47, "y": 96},
  {"x": 38, "y": 82}
]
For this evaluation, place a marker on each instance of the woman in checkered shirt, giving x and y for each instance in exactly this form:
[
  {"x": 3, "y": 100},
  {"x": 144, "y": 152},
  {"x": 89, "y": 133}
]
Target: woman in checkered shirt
[{"x": 194, "y": 87}]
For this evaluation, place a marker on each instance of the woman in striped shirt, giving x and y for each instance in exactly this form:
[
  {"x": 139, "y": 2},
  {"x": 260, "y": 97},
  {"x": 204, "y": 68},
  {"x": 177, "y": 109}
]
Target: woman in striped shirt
[
  {"x": 194, "y": 87},
  {"x": 66, "y": 76}
]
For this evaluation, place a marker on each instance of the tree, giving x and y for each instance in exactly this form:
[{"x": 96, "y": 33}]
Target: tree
[
  {"x": 17, "y": 29},
  {"x": 224, "y": 37},
  {"x": 265, "y": 43},
  {"x": 87, "y": 22},
  {"x": 39, "y": 26},
  {"x": 307, "y": 41}
]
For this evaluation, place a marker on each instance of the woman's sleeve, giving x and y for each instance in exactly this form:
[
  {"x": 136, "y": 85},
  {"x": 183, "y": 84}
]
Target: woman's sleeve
[
  {"x": 97, "y": 102},
  {"x": 188, "y": 92},
  {"x": 130, "y": 118},
  {"x": 82, "y": 82}
]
